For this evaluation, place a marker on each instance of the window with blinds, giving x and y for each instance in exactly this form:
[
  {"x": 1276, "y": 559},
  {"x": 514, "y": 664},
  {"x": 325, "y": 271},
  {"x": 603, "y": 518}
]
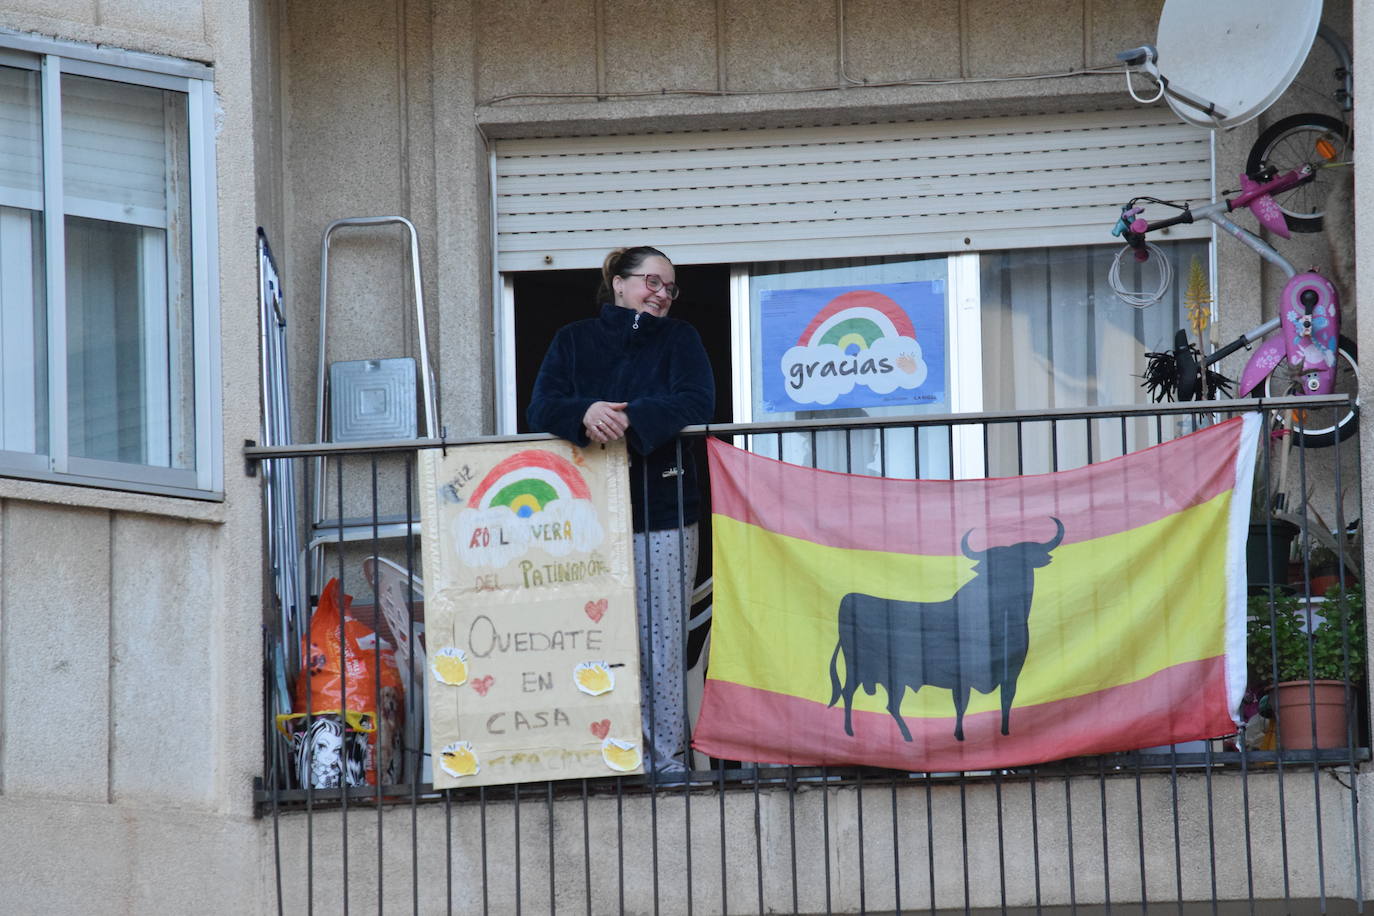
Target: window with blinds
[{"x": 102, "y": 365}]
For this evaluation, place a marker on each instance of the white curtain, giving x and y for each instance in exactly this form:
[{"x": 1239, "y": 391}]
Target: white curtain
[{"x": 1056, "y": 335}]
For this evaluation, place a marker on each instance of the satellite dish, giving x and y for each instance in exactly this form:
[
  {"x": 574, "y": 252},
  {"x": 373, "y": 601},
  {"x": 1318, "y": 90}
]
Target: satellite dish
[{"x": 1222, "y": 62}]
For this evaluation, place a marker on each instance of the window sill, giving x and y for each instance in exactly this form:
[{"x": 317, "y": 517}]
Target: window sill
[{"x": 196, "y": 510}]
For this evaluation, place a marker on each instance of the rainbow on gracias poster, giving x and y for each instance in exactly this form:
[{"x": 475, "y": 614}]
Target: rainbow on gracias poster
[
  {"x": 532, "y": 498},
  {"x": 828, "y": 348}
]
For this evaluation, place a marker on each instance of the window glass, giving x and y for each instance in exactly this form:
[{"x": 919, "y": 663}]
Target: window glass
[
  {"x": 23, "y": 335},
  {"x": 23, "y": 310},
  {"x": 1053, "y": 335},
  {"x": 1056, "y": 335},
  {"x": 21, "y": 139},
  {"x": 914, "y": 293},
  {"x": 130, "y": 388},
  {"x": 99, "y": 310},
  {"x": 119, "y": 143}
]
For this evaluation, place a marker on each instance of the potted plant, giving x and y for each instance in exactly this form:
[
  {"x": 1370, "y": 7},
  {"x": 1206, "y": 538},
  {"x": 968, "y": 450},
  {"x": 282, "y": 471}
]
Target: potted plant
[
  {"x": 1323, "y": 570},
  {"x": 1311, "y": 654},
  {"x": 1329, "y": 556}
]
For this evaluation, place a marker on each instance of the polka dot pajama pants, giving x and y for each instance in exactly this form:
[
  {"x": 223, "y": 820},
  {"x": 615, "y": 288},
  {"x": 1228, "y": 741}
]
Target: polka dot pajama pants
[{"x": 665, "y": 570}]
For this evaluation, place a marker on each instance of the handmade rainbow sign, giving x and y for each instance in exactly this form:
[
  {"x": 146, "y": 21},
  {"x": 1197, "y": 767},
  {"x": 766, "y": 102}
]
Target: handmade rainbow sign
[
  {"x": 843, "y": 347},
  {"x": 529, "y": 613}
]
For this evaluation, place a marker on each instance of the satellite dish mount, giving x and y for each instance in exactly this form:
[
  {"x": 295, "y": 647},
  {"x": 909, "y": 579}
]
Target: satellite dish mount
[
  {"x": 1146, "y": 59},
  {"x": 1220, "y": 63}
]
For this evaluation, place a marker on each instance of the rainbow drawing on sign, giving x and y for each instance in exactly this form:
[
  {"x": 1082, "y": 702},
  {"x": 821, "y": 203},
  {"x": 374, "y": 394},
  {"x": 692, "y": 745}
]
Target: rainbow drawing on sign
[
  {"x": 861, "y": 337},
  {"x": 856, "y": 320},
  {"x": 533, "y": 498},
  {"x": 529, "y": 480}
]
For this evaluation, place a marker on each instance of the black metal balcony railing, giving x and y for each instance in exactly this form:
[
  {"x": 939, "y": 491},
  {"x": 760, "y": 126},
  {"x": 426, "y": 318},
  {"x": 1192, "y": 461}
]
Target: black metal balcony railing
[{"x": 1229, "y": 820}]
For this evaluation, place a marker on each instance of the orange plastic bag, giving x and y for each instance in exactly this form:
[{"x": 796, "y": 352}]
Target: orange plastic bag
[{"x": 341, "y": 672}]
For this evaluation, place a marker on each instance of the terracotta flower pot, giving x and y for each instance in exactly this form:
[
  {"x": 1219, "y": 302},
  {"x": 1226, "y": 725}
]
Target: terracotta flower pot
[
  {"x": 1297, "y": 709},
  {"x": 1320, "y": 584}
]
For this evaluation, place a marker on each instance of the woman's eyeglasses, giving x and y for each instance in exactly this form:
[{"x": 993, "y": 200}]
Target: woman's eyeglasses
[{"x": 655, "y": 283}]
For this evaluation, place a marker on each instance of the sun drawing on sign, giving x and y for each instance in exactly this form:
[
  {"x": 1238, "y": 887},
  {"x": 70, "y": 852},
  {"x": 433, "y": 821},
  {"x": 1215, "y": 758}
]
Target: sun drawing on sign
[
  {"x": 450, "y": 666},
  {"x": 621, "y": 756},
  {"x": 594, "y": 678},
  {"x": 459, "y": 759}
]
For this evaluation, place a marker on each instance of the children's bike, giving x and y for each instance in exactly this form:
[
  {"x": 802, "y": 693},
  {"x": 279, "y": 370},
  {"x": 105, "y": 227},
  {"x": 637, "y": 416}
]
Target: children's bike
[{"x": 1309, "y": 355}]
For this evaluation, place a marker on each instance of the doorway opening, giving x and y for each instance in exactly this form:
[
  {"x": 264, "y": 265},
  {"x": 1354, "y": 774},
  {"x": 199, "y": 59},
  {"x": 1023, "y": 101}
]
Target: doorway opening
[{"x": 546, "y": 300}]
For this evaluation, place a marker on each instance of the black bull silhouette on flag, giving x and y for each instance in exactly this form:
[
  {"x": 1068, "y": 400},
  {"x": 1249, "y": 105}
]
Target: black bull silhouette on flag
[{"x": 975, "y": 640}]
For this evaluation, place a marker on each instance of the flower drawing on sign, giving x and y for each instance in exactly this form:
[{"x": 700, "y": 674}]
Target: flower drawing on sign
[
  {"x": 861, "y": 337},
  {"x": 594, "y": 678},
  {"x": 532, "y": 499},
  {"x": 459, "y": 759}
]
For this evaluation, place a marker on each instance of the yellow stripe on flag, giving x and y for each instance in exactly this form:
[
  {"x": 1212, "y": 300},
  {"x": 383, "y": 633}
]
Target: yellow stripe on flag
[{"x": 1107, "y": 612}]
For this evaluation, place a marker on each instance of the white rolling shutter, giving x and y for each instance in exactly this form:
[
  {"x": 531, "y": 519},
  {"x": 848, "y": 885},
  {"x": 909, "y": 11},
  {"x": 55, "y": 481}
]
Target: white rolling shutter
[
  {"x": 841, "y": 191},
  {"x": 114, "y": 151},
  {"x": 21, "y": 142}
]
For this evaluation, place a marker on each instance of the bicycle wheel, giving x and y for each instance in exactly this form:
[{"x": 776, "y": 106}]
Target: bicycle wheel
[
  {"x": 1319, "y": 139},
  {"x": 1326, "y": 425}
]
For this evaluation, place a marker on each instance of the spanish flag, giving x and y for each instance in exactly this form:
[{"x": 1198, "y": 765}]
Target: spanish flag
[{"x": 938, "y": 625}]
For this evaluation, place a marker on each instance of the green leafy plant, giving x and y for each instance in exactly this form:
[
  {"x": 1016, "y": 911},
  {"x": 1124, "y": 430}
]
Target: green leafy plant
[{"x": 1283, "y": 638}]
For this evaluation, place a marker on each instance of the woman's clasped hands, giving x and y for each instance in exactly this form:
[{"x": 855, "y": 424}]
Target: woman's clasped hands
[{"x": 606, "y": 421}]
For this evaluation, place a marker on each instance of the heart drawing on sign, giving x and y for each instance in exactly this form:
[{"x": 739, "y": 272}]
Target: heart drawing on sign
[
  {"x": 596, "y": 609},
  {"x": 482, "y": 684},
  {"x": 601, "y": 729}
]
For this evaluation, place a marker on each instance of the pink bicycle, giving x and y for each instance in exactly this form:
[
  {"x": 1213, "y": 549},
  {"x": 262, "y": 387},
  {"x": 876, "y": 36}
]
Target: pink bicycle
[{"x": 1309, "y": 356}]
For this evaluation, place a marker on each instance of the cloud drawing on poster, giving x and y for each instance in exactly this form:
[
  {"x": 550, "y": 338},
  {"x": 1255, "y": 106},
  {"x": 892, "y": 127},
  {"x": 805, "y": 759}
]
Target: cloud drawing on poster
[
  {"x": 821, "y": 373},
  {"x": 497, "y": 536}
]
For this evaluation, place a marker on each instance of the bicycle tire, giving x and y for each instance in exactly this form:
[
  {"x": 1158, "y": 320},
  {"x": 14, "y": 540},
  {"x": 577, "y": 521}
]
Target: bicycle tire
[
  {"x": 1321, "y": 428},
  {"x": 1287, "y": 144}
]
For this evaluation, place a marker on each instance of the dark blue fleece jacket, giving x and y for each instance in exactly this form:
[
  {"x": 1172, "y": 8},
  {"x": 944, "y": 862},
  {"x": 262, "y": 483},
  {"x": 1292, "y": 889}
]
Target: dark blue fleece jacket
[{"x": 659, "y": 367}]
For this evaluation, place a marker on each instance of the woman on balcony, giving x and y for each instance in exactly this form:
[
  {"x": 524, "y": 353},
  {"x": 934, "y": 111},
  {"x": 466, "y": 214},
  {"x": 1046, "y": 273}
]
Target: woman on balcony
[{"x": 633, "y": 373}]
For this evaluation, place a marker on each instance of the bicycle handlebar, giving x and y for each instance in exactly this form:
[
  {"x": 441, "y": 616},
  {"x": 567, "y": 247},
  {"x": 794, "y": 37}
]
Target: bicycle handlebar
[{"x": 1133, "y": 227}]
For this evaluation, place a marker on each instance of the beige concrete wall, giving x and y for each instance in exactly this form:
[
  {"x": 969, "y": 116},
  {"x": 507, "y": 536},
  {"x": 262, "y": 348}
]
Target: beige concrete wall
[
  {"x": 401, "y": 128},
  {"x": 1362, "y": 47},
  {"x": 130, "y": 646},
  {"x": 1250, "y": 287},
  {"x": 394, "y": 131}
]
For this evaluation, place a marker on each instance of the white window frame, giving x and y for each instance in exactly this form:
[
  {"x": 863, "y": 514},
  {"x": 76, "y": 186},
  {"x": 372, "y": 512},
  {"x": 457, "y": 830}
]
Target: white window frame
[{"x": 52, "y": 59}]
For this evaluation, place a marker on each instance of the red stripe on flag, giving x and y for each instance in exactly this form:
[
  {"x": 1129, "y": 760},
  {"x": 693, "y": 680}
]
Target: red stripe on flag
[
  {"x": 1182, "y": 703},
  {"x": 862, "y": 513}
]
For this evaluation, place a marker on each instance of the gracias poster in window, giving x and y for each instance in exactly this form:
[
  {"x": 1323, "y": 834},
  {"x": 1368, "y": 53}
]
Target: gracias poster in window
[
  {"x": 529, "y": 613},
  {"x": 842, "y": 347}
]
